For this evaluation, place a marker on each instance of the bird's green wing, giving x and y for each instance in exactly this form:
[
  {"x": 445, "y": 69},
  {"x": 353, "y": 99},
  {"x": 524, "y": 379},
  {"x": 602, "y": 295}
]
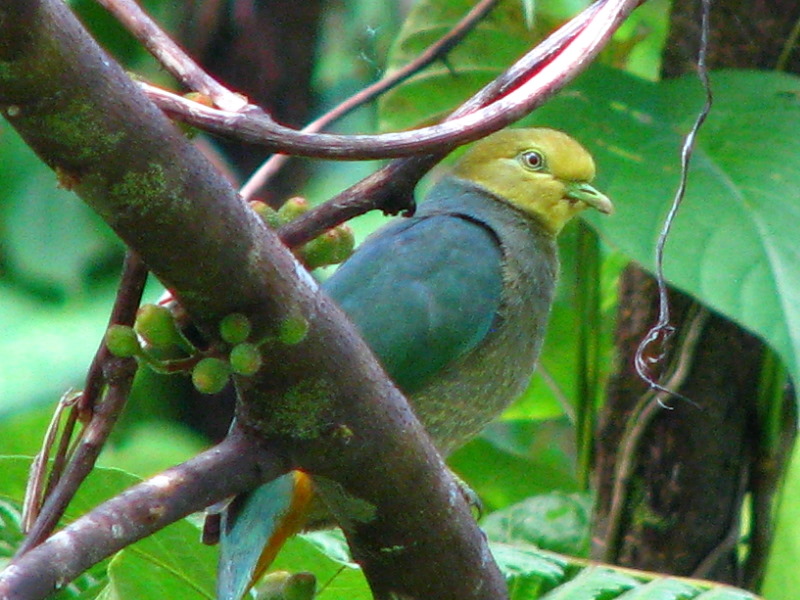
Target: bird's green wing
[{"x": 422, "y": 292}]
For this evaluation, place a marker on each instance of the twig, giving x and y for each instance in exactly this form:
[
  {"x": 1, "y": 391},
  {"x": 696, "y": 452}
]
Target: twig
[
  {"x": 254, "y": 126},
  {"x": 170, "y": 55},
  {"x": 33, "y": 492},
  {"x": 432, "y": 53},
  {"x": 106, "y": 372}
]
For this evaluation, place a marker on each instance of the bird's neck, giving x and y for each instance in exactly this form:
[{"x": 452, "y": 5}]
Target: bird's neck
[{"x": 453, "y": 195}]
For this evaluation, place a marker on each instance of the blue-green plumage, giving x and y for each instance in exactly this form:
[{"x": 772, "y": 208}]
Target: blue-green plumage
[{"x": 419, "y": 303}]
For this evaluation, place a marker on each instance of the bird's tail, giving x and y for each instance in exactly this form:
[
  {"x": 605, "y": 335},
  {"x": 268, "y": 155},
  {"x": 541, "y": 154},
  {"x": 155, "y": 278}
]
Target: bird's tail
[{"x": 254, "y": 528}]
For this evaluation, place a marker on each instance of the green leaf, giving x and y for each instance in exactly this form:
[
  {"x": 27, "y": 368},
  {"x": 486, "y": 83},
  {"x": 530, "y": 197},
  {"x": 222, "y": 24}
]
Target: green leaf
[
  {"x": 528, "y": 571},
  {"x": 726, "y": 593},
  {"x": 782, "y": 578},
  {"x": 172, "y": 560},
  {"x": 101, "y": 485},
  {"x": 733, "y": 245},
  {"x": 98, "y": 487},
  {"x": 496, "y": 42},
  {"x": 171, "y": 564},
  {"x": 593, "y": 583},
  {"x": 556, "y": 521},
  {"x": 661, "y": 589}
]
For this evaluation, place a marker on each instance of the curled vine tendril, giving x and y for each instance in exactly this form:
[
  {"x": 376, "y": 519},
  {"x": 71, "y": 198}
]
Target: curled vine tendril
[{"x": 651, "y": 348}]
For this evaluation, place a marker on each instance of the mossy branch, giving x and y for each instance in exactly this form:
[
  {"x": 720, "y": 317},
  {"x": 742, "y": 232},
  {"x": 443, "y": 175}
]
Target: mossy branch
[{"x": 85, "y": 118}]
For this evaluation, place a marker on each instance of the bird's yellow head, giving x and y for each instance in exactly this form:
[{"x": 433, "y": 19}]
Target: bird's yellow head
[{"x": 542, "y": 172}]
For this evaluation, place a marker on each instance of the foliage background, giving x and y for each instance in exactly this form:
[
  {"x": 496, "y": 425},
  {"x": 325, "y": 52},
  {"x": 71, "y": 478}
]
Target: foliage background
[{"x": 733, "y": 247}]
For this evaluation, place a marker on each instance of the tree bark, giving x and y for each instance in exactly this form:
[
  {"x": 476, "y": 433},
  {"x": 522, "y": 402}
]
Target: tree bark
[{"x": 684, "y": 493}]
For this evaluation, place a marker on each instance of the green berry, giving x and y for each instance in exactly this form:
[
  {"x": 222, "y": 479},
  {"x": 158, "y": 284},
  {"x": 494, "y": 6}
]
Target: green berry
[
  {"x": 293, "y": 208},
  {"x": 234, "y": 328},
  {"x": 210, "y": 375},
  {"x": 300, "y": 586},
  {"x": 282, "y": 585},
  {"x": 122, "y": 341},
  {"x": 156, "y": 324},
  {"x": 268, "y": 214},
  {"x": 245, "y": 359},
  {"x": 330, "y": 248},
  {"x": 293, "y": 330}
]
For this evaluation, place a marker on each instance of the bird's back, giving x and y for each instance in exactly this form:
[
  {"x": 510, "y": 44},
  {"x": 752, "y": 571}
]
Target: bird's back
[{"x": 459, "y": 327}]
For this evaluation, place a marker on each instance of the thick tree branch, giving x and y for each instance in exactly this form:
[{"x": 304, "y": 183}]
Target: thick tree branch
[{"x": 326, "y": 404}]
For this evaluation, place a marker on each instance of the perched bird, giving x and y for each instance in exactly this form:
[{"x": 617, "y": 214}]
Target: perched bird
[{"x": 453, "y": 301}]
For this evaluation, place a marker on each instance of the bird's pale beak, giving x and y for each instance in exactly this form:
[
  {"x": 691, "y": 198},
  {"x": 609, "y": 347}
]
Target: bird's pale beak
[{"x": 587, "y": 194}]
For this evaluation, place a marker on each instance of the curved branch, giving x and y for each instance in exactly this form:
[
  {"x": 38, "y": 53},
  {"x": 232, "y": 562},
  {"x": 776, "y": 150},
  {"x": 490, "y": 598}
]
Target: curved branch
[
  {"x": 170, "y": 55},
  {"x": 254, "y": 126}
]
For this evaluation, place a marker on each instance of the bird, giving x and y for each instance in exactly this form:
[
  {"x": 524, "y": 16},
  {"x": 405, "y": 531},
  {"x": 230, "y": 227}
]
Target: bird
[{"x": 453, "y": 301}]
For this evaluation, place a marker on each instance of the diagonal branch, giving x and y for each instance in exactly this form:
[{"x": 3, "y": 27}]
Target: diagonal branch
[{"x": 325, "y": 405}]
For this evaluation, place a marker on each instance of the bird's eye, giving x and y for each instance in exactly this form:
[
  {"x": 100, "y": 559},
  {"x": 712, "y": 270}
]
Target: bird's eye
[{"x": 533, "y": 160}]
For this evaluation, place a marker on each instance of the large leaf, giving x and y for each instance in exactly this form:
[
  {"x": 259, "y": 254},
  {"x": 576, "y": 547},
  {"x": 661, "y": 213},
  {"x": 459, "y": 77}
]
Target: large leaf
[
  {"x": 733, "y": 245},
  {"x": 171, "y": 563},
  {"x": 555, "y": 521}
]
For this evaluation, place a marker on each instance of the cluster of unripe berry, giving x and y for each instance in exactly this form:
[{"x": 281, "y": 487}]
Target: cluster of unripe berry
[
  {"x": 157, "y": 338},
  {"x": 330, "y": 248}
]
